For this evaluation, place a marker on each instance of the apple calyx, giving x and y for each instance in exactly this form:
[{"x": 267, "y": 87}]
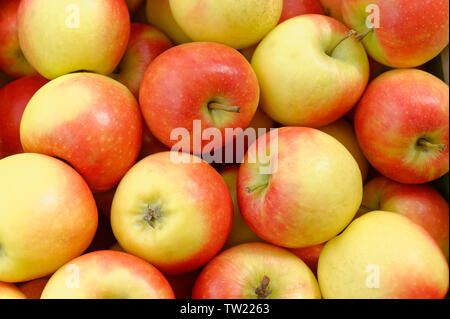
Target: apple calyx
[
  {"x": 427, "y": 145},
  {"x": 361, "y": 36},
  {"x": 251, "y": 189},
  {"x": 262, "y": 290},
  {"x": 348, "y": 35},
  {"x": 223, "y": 107},
  {"x": 151, "y": 216}
]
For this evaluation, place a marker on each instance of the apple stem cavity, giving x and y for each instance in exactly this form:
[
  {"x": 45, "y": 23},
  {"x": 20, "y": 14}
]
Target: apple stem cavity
[
  {"x": 222, "y": 107},
  {"x": 361, "y": 36},
  {"x": 262, "y": 291},
  {"x": 348, "y": 35},
  {"x": 151, "y": 216},
  {"x": 251, "y": 189},
  {"x": 428, "y": 145}
]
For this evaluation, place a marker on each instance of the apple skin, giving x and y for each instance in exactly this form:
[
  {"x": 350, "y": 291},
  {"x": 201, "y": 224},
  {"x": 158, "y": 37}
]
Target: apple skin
[
  {"x": 398, "y": 109},
  {"x": 309, "y": 255},
  {"x": 159, "y": 14},
  {"x": 343, "y": 131},
  {"x": 179, "y": 195},
  {"x": 134, "y": 5},
  {"x": 240, "y": 232},
  {"x": 421, "y": 203},
  {"x": 201, "y": 73},
  {"x": 332, "y": 8},
  {"x": 411, "y": 265},
  {"x": 150, "y": 144},
  {"x": 46, "y": 220},
  {"x": 298, "y": 204},
  {"x": 33, "y": 289},
  {"x": 236, "y": 23},
  {"x": 326, "y": 88},
  {"x": 14, "y": 97},
  {"x": 145, "y": 44},
  {"x": 4, "y": 79},
  {"x": 238, "y": 271},
  {"x": 293, "y": 8},
  {"x": 10, "y": 291},
  {"x": 411, "y": 32},
  {"x": 97, "y": 48},
  {"x": 123, "y": 276},
  {"x": 91, "y": 121},
  {"x": 12, "y": 60}
]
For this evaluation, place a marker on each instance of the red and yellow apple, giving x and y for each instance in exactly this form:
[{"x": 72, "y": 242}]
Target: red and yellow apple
[
  {"x": 150, "y": 144},
  {"x": 332, "y": 8},
  {"x": 33, "y": 289},
  {"x": 64, "y": 36},
  {"x": 14, "y": 97},
  {"x": 410, "y": 32},
  {"x": 402, "y": 126},
  {"x": 309, "y": 255},
  {"x": 107, "y": 274},
  {"x": 10, "y": 291},
  {"x": 214, "y": 85},
  {"x": 48, "y": 216},
  {"x": 293, "y": 8},
  {"x": 256, "y": 271},
  {"x": 421, "y": 203},
  {"x": 383, "y": 255},
  {"x": 170, "y": 199},
  {"x": 145, "y": 44},
  {"x": 236, "y": 23},
  {"x": 89, "y": 120},
  {"x": 310, "y": 74},
  {"x": 289, "y": 197},
  {"x": 12, "y": 60}
]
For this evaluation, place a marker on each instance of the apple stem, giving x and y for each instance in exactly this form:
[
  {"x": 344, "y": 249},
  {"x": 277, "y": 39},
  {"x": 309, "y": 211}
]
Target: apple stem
[
  {"x": 253, "y": 188},
  {"x": 426, "y": 144},
  {"x": 262, "y": 291},
  {"x": 222, "y": 107},
  {"x": 151, "y": 216},
  {"x": 348, "y": 35},
  {"x": 361, "y": 36}
]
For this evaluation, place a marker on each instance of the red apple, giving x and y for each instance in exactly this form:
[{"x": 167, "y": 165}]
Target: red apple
[
  {"x": 402, "y": 126},
  {"x": 145, "y": 44},
  {"x": 400, "y": 33},
  {"x": 332, "y": 8},
  {"x": 203, "y": 81},
  {"x": 14, "y": 97},
  {"x": 10, "y": 291},
  {"x": 421, "y": 203},
  {"x": 293, "y": 8},
  {"x": 183, "y": 284},
  {"x": 4, "y": 79},
  {"x": 173, "y": 210},
  {"x": 89, "y": 120},
  {"x": 150, "y": 144},
  {"x": 309, "y": 255},
  {"x": 107, "y": 274},
  {"x": 33, "y": 289},
  {"x": 12, "y": 60},
  {"x": 256, "y": 271}
]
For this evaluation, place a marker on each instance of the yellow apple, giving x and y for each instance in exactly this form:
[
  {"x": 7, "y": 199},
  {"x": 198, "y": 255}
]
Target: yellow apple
[
  {"x": 236, "y": 23},
  {"x": 383, "y": 255},
  {"x": 10, "y": 291},
  {"x": 47, "y": 216}
]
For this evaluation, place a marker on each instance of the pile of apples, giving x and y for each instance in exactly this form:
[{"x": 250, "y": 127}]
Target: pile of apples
[{"x": 100, "y": 199}]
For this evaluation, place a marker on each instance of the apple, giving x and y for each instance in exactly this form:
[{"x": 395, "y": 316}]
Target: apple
[
  {"x": 159, "y": 14},
  {"x": 236, "y": 23},
  {"x": 134, "y": 5},
  {"x": 309, "y": 255},
  {"x": 48, "y": 216},
  {"x": 183, "y": 284},
  {"x": 421, "y": 203},
  {"x": 215, "y": 85},
  {"x": 107, "y": 274},
  {"x": 402, "y": 126},
  {"x": 332, "y": 8},
  {"x": 64, "y": 36},
  {"x": 145, "y": 44},
  {"x": 240, "y": 232},
  {"x": 410, "y": 32},
  {"x": 344, "y": 132},
  {"x": 10, "y": 291},
  {"x": 33, "y": 289},
  {"x": 89, "y": 120},
  {"x": 12, "y": 60},
  {"x": 150, "y": 144},
  {"x": 256, "y": 271},
  {"x": 4, "y": 79},
  {"x": 383, "y": 255},
  {"x": 293, "y": 8},
  {"x": 14, "y": 97},
  {"x": 173, "y": 210},
  {"x": 333, "y": 74},
  {"x": 296, "y": 203}
]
